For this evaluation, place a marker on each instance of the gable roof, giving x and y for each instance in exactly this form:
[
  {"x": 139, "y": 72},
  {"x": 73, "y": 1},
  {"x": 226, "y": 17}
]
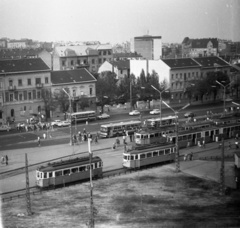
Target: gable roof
[
  {"x": 212, "y": 62},
  {"x": 181, "y": 63},
  {"x": 202, "y": 43},
  {"x": 22, "y": 65},
  {"x": 71, "y": 76},
  {"x": 121, "y": 64}
]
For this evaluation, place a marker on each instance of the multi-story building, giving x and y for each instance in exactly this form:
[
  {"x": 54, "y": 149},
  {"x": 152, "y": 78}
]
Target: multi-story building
[
  {"x": 90, "y": 57},
  {"x": 120, "y": 68},
  {"x": 199, "y": 47},
  {"x": 126, "y": 56},
  {"x": 79, "y": 83},
  {"x": 179, "y": 73},
  {"x": 21, "y": 83},
  {"x": 150, "y": 47}
]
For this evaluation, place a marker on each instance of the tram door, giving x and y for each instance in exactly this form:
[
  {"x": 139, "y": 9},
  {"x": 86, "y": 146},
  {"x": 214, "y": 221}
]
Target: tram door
[
  {"x": 212, "y": 135},
  {"x": 194, "y": 139}
]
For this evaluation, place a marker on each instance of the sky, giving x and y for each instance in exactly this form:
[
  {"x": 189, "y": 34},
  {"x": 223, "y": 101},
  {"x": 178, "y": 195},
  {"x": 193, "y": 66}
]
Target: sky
[{"x": 117, "y": 21}]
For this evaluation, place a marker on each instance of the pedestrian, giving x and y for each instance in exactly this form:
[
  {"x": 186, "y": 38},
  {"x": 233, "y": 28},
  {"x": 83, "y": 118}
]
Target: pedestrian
[
  {"x": 6, "y": 157},
  {"x": 79, "y": 137},
  {"x": 114, "y": 146},
  {"x": 236, "y": 137},
  {"x": 84, "y": 131},
  {"x": 236, "y": 143},
  {"x": 3, "y": 159},
  {"x": 44, "y": 135},
  {"x": 124, "y": 140},
  {"x": 203, "y": 143},
  {"x": 229, "y": 145},
  {"x": 39, "y": 141},
  {"x": 191, "y": 156}
]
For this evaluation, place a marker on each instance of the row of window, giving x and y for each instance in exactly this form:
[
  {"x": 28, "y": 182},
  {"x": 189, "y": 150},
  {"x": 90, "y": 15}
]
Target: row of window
[
  {"x": 69, "y": 171},
  {"x": 150, "y": 154},
  {"x": 21, "y": 96},
  {"x": 38, "y": 81},
  {"x": 85, "y": 61}
]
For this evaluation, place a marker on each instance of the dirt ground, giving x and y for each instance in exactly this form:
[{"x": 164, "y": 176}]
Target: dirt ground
[{"x": 156, "y": 197}]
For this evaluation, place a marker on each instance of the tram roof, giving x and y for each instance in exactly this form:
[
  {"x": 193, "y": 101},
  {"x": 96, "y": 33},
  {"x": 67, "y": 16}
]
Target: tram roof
[
  {"x": 150, "y": 148},
  {"x": 121, "y": 123},
  {"x": 64, "y": 164},
  {"x": 156, "y": 130},
  {"x": 163, "y": 118}
]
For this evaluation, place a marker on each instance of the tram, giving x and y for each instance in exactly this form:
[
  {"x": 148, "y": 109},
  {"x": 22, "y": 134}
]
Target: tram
[
  {"x": 67, "y": 171},
  {"x": 143, "y": 156},
  {"x": 165, "y": 121}
]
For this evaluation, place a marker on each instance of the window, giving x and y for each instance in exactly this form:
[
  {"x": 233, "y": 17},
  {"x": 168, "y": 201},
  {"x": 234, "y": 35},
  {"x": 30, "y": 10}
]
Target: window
[
  {"x": 167, "y": 151},
  {"x": 38, "y": 94},
  {"x": 58, "y": 173},
  {"x": 66, "y": 172},
  {"x": 25, "y": 108},
  {"x": 38, "y": 81},
  {"x": 155, "y": 153},
  {"x": 44, "y": 175},
  {"x": 109, "y": 52},
  {"x": 85, "y": 61},
  {"x": 20, "y": 96},
  {"x": 149, "y": 155},
  {"x": 161, "y": 152},
  {"x": 74, "y": 93},
  {"x": 93, "y": 61},
  {"x": 29, "y": 95},
  {"x": 46, "y": 80},
  {"x": 19, "y": 82},
  {"x": 142, "y": 156},
  {"x": 172, "y": 76},
  {"x": 34, "y": 94},
  {"x": 63, "y": 63},
  {"x": 104, "y": 52},
  {"x": 78, "y": 61},
  {"x": 11, "y": 96},
  {"x": 81, "y": 169},
  {"x": 29, "y": 81},
  {"x": 72, "y": 63},
  {"x": 90, "y": 91},
  {"x": 50, "y": 174},
  {"x": 99, "y": 61}
]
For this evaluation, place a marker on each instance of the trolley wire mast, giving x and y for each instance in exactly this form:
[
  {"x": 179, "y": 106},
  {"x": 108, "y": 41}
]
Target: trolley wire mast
[{"x": 177, "y": 123}]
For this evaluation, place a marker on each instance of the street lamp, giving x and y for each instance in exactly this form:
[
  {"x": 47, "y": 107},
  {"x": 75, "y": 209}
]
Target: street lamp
[
  {"x": 160, "y": 92},
  {"x": 224, "y": 94},
  {"x": 70, "y": 107},
  {"x": 177, "y": 148}
]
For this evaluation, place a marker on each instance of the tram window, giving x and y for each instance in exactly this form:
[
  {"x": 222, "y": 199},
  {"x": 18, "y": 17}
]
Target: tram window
[
  {"x": 217, "y": 132},
  {"x": 44, "y": 175},
  {"x": 189, "y": 136},
  {"x": 138, "y": 136},
  {"x": 149, "y": 155},
  {"x": 131, "y": 157},
  {"x": 50, "y": 174},
  {"x": 74, "y": 170},
  {"x": 152, "y": 136},
  {"x": 96, "y": 165},
  {"x": 184, "y": 137},
  {"x": 145, "y": 136},
  {"x": 207, "y": 133},
  {"x": 198, "y": 135},
  {"x": 58, "y": 173},
  {"x": 155, "y": 153},
  {"x": 142, "y": 156},
  {"x": 92, "y": 166},
  {"x": 66, "y": 172},
  {"x": 125, "y": 157},
  {"x": 161, "y": 152},
  {"x": 179, "y": 138},
  {"x": 167, "y": 151},
  {"x": 38, "y": 174},
  {"x": 82, "y": 168}
]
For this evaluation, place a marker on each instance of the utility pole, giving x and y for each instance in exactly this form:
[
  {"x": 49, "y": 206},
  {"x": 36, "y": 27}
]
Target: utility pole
[
  {"x": 130, "y": 93},
  {"x": 91, "y": 222},
  {"x": 222, "y": 172},
  {"x": 28, "y": 201}
]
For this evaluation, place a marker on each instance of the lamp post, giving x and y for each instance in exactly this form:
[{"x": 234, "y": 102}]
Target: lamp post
[
  {"x": 177, "y": 123},
  {"x": 224, "y": 94},
  {"x": 160, "y": 92},
  {"x": 70, "y": 107}
]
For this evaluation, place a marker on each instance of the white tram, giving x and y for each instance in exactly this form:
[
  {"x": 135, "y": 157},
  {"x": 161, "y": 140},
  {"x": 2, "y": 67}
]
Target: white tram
[
  {"x": 143, "y": 156},
  {"x": 67, "y": 171}
]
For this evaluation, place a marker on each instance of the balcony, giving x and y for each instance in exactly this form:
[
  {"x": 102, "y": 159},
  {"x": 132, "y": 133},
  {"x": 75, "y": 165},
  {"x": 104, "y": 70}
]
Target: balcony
[
  {"x": 39, "y": 85},
  {"x": 12, "y": 88}
]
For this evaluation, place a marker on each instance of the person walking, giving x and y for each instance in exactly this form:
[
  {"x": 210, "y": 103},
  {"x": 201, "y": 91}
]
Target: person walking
[
  {"x": 6, "y": 157},
  {"x": 229, "y": 145},
  {"x": 39, "y": 141}
]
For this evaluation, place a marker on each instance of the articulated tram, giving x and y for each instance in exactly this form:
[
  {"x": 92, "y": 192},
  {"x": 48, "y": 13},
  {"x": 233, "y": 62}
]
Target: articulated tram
[
  {"x": 67, "y": 171},
  {"x": 143, "y": 156}
]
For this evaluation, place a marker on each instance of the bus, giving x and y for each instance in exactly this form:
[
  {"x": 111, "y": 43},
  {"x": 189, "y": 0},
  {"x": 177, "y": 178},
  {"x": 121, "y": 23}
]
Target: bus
[
  {"x": 117, "y": 129},
  {"x": 82, "y": 116},
  {"x": 155, "y": 122}
]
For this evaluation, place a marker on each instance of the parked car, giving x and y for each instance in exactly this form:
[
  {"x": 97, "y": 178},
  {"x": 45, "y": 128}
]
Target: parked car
[
  {"x": 64, "y": 123},
  {"x": 189, "y": 114},
  {"x": 5, "y": 127},
  {"x": 134, "y": 113},
  {"x": 103, "y": 116},
  {"x": 155, "y": 111},
  {"x": 55, "y": 122}
]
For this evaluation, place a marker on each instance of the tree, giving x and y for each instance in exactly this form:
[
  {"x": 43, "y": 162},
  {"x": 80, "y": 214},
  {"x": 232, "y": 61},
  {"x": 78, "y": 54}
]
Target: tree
[
  {"x": 106, "y": 86},
  {"x": 83, "y": 103},
  {"x": 62, "y": 100},
  {"x": 49, "y": 102}
]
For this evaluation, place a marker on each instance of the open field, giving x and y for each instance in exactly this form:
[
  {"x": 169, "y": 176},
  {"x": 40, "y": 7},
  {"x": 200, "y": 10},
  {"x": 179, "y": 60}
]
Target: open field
[{"x": 156, "y": 197}]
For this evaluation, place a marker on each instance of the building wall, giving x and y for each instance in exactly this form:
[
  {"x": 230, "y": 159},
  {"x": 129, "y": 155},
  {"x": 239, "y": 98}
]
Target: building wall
[
  {"x": 17, "y": 44},
  {"x": 145, "y": 48},
  {"x": 157, "y": 49},
  {"x": 21, "y": 98}
]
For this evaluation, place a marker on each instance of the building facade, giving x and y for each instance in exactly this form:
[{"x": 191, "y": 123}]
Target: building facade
[
  {"x": 21, "y": 84},
  {"x": 79, "y": 84},
  {"x": 149, "y": 47}
]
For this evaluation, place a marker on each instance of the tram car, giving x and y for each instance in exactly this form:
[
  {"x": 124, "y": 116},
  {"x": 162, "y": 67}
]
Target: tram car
[
  {"x": 144, "y": 156},
  {"x": 68, "y": 171}
]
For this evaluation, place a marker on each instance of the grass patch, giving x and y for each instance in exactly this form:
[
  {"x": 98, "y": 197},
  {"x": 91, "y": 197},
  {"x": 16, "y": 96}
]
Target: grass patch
[{"x": 153, "y": 198}]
